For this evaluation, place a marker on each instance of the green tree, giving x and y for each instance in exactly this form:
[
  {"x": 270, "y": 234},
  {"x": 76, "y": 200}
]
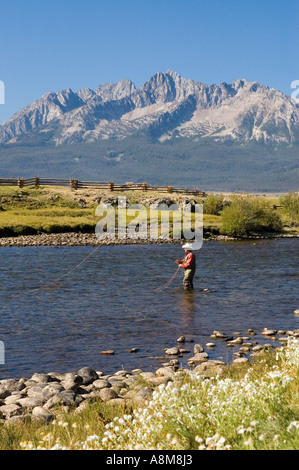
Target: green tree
[
  {"x": 213, "y": 204},
  {"x": 291, "y": 205},
  {"x": 247, "y": 216}
]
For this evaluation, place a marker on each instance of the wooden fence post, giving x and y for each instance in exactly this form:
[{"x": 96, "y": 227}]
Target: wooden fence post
[{"x": 74, "y": 183}]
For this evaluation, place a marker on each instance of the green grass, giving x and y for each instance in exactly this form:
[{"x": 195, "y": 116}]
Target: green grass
[
  {"x": 252, "y": 407},
  {"x": 31, "y": 211},
  {"x": 59, "y": 209},
  {"x": 212, "y": 222}
]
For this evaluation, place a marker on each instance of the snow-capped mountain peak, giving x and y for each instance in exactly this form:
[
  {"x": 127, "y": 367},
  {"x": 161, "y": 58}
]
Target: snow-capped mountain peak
[{"x": 167, "y": 106}]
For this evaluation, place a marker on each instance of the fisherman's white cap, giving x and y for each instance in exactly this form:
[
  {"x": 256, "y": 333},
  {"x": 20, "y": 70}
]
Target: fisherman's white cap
[
  {"x": 192, "y": 246},
  {"x": 188, "y": 246}
]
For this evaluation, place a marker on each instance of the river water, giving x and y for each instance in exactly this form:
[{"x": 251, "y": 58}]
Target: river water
[{"x": 111, "y": 302}]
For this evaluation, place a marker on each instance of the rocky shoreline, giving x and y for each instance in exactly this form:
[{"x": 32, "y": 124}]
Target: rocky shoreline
[
  {"x": 71, "y": 239},
  {"x": 90, "y": 239},
  {"x": 40, "y": 396}
]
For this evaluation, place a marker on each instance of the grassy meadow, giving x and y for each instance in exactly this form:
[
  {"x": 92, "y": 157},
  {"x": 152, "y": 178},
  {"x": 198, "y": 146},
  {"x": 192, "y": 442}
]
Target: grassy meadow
[{"x": 31, "y": 210}]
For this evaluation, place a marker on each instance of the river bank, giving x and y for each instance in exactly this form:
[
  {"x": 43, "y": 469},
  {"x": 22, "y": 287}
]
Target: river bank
[
  {"x": 41, "y": 395},
  {"x": 250, "y": 406},
  {"x": 44, "y": 213},
  {"x": 85, "y": 239}
]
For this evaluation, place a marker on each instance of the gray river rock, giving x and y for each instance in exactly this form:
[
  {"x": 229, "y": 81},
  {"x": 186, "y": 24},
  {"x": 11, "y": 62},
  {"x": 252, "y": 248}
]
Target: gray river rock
[{"x": 42, "y": 395}]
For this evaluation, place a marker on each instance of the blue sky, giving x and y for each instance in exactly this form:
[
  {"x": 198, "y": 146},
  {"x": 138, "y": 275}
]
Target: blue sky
[{"x": 57, "y": 44}]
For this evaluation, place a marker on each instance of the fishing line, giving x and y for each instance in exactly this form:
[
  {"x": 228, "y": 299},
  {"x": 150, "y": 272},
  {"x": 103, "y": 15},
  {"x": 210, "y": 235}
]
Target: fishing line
[
  {"x": 159, "y": 289},
  {"x": 61, "y": 277},
  {"x": 69, "y": 272}
]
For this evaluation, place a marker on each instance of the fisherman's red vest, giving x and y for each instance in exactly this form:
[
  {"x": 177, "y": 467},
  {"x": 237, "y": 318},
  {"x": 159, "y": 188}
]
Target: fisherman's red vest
[{"x": 189, "y": 261}]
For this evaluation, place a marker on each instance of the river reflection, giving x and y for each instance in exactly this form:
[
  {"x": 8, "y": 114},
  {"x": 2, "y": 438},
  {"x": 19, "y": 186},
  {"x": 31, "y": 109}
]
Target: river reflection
[{"x": 188, "y": 304}]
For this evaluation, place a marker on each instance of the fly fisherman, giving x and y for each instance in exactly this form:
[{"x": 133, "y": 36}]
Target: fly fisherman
[{"x": 189, "y": 265}]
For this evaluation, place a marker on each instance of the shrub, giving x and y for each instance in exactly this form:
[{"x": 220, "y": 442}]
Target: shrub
[
  {"x": 17, "y": 230},
  {"x": 213, "y": 204},
  {"x": 291, "y": 205},
  {"x": 247, "y": 216}
]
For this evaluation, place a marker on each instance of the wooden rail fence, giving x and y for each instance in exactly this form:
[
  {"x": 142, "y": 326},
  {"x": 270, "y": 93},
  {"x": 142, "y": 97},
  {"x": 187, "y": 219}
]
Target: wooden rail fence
[{"x": 111, "y": 186}]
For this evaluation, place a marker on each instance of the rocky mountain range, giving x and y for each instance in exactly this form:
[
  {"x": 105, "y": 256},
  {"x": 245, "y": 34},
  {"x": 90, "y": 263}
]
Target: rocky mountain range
[
  {"x": 166, "y": 106},
  {"x": 226, "y": 132}
]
